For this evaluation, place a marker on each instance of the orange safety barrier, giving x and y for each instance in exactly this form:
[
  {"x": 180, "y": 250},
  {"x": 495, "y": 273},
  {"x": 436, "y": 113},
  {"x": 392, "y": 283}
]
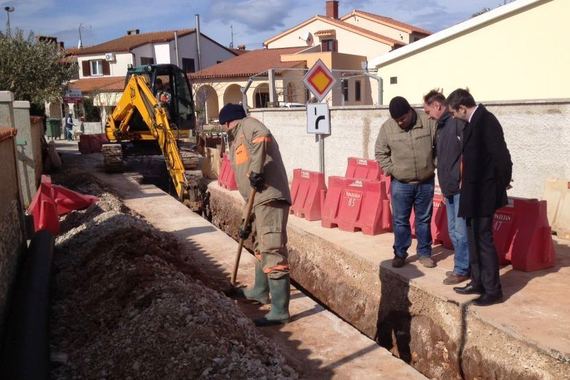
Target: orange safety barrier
[
  {"x": 227, "y": 178},
  {"x": 308, "y": 192},
  {"x": 357, "y": 204},
  {"x": 51, "y": 201},
  {"x": 362, "y": 168},
  {"x": 439, "y": 227},
  {"x": 523, "y": 236}
]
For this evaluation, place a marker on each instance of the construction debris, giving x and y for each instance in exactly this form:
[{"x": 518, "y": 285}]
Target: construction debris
[{"x": 125, "y": 305}]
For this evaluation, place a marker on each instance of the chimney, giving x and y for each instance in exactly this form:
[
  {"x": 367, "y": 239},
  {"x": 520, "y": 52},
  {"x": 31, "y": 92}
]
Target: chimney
[
  {"x": 332, "y": 8},
  {"x": 133, "y": 31}
]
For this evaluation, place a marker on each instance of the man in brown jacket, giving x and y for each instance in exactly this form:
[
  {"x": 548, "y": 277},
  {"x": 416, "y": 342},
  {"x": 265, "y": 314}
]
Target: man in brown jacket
[
  {"x": 405, "y": 150},
  {"x": 257, "y": 164}
]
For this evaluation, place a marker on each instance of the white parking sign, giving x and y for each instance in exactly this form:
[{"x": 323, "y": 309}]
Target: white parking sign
[{"x": 318, "y": 119}]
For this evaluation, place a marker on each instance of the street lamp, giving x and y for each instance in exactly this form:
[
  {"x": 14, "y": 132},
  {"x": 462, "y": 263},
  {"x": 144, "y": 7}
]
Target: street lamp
[{"x": 8, "y": 10}]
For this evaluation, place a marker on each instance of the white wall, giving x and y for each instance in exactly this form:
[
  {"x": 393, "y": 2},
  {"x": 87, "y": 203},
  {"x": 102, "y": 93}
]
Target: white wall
[
  {"x": 122, "y": 61},
  {"x": 523, "y": 55},
  {"x": 162, "y": 54},
  {"x": 143, "y": 51},
  {"x": 537, "y": 135}
]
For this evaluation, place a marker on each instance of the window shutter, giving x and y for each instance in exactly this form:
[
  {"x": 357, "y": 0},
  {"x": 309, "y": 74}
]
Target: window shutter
[
  {"x": 86, "y": 68},
  {"x": 106, "y": 68}
]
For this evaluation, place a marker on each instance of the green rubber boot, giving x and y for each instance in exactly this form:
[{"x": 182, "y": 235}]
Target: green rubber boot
[
  {"x": 280, "y": 295},
  {"x": 260, "y": 291}
]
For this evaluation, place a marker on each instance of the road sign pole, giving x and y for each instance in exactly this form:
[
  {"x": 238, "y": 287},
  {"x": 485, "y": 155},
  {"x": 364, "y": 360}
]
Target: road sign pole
[{"x": 322, "y": 153}]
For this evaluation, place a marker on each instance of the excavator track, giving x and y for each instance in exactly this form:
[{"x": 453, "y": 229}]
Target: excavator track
[{"x": 113, "y": 158}]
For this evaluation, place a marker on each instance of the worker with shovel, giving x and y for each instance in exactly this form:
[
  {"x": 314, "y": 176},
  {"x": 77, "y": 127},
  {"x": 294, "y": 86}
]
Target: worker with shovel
[{"x": 261, "y": 178}]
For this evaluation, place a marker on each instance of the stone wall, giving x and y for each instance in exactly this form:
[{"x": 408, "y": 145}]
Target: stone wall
[
  {"x": 537, "y": 134},
  {"x": 11, "y": 232}
]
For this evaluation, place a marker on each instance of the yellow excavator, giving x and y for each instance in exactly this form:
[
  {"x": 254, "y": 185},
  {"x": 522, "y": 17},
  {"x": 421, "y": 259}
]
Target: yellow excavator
[{"x": 155, "y": 115}]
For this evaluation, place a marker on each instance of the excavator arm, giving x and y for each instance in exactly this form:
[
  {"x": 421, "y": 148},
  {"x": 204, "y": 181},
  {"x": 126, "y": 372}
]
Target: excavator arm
[{"x": 137, "y": 95}]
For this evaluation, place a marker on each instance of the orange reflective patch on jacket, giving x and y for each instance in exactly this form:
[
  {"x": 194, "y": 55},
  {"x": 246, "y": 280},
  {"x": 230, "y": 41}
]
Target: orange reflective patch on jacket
[
  {"x": 242, "y": 155},
  {"x": 262, "y": 139},
  {"x": 276, "y": 268}
]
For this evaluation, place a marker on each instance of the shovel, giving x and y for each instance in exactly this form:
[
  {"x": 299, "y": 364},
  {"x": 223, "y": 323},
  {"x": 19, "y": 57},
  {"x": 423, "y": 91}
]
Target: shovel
[{"x": 249, "y": 207}]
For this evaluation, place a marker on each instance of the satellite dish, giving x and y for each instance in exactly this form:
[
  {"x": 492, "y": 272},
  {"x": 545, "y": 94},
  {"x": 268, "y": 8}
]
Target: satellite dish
[{"x": 308, "y": 38}]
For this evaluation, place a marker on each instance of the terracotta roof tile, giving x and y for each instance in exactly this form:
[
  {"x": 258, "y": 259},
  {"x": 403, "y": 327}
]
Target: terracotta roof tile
[
  {"x": 251, "y": 63},
  {"x": 103, "y": 84},
  {"x": 128, "y": 42},
  {"x": 388, "y": 21}
]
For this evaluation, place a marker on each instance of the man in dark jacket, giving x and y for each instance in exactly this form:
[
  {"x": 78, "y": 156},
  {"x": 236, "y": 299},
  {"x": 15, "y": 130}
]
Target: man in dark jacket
[
  {"x": 448, "y": 142},
  {"x": 257, "y": 164},
  {"x": 486, "y": 175}
]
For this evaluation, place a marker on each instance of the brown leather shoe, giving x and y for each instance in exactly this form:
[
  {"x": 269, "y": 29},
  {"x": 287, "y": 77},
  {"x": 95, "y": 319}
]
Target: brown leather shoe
[{"x": 454, "y": 279}]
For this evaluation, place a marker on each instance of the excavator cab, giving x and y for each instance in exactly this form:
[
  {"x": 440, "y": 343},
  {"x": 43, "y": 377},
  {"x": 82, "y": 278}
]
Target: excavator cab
[{"x": 172, "y": 90}]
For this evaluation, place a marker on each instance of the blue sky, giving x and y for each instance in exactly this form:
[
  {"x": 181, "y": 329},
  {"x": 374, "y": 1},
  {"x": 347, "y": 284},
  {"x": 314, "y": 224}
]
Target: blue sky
[{"x": 253, "y": 21}]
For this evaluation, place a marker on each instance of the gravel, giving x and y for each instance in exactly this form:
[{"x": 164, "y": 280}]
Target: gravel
[{"x": 125, "y": 305}]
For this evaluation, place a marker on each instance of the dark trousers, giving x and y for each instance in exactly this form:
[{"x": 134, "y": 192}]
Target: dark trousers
[{"x": 483, "y": 260}]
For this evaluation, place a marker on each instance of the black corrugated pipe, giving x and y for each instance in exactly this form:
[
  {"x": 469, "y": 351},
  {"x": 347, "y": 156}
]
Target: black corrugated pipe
[{"x": 25, "y": 350}]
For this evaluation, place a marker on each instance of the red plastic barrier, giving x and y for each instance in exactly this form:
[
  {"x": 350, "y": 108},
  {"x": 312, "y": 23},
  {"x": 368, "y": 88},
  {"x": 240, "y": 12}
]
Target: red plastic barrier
[
  {"x": 52, "y": 201},
  {"x": 439, "y": 227},
  {"x": 68, "y": 200},
  {"x": 357, "y": 205},
  {"x": 43, "y": 208},
  {"x": 227, "y": 178},
  {"x": 362, "y": 168},
  {"x": 91, "y": 143},
  {"x": 308, "y": 192},
  {"x": 523, "y": 236}
]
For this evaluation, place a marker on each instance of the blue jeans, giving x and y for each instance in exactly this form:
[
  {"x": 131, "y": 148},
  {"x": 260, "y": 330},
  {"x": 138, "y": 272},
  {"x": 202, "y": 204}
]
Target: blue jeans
[
  {"x": 457, "y": 227},
  {"x": 404, "y": 197}
]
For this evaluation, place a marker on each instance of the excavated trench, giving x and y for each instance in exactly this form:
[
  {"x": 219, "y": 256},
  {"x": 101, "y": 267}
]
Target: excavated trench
[{"x": 127, "y": 303}]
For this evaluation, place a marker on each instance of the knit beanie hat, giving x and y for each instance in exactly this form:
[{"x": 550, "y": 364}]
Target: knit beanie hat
[
  {"x": 399, "y": 106},
  {"x": 231, "y": 112}
]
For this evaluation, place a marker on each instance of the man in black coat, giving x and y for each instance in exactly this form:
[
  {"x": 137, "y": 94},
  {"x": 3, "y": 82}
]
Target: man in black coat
[{"x": 485, "y": 176}]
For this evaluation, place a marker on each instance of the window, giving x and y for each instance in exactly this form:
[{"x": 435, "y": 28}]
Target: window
[
  {"x": 188, "y": 65},
  {"x": 96, "y": 67},
  {"x": 344, "y": 89},
  {"x": 329, "y": 45},
  {"x": 393, "y": 80},
  {"x": 357, "y": 89},
  {"x": 147, "y": 61}
]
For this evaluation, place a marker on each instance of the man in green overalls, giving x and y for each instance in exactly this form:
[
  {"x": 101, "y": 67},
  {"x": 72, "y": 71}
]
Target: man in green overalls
[{"x": 257, "y": 164}]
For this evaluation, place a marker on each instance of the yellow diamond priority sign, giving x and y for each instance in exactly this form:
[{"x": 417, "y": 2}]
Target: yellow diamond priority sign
[{"x": 319, "y": 80}]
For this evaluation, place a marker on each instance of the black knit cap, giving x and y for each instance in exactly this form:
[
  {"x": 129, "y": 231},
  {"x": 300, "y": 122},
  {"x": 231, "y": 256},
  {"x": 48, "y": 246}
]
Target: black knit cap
[
  {"x": 231, "y": 112},
  {"x": 399, "y": 106}
]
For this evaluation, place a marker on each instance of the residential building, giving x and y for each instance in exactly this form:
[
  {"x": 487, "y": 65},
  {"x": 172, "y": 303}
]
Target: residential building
[
  {"x": 344, "y": 44},
  {"x": 103, "y": 67},
  {"x": 515, "y": 52}
]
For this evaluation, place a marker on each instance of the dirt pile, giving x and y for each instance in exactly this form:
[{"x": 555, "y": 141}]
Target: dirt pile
[{"x": 125, "y": 305}]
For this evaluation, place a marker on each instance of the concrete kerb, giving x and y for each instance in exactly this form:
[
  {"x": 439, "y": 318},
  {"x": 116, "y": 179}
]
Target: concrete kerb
[{"x": 409, "y": 310}]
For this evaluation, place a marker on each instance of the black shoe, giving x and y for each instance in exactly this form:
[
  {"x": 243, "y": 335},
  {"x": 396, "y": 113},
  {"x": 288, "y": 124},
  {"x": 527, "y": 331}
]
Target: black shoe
[
  {"x": 488, "y": 299},
  {"x": 468, "y": 289},
  {"x": 398, "y": 262}
]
